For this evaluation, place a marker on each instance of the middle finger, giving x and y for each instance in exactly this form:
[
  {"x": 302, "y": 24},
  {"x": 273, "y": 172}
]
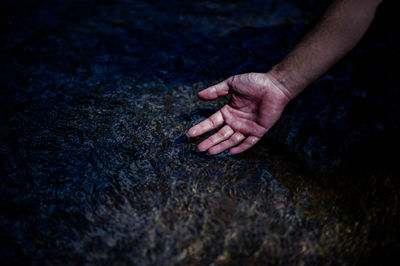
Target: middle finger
[{"x": 223, "y": 134}]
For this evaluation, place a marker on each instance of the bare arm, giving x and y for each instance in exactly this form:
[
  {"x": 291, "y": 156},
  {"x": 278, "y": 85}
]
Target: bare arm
[
  {"x": 340, "y": 29},
  {"x": 258, "y": 99}
]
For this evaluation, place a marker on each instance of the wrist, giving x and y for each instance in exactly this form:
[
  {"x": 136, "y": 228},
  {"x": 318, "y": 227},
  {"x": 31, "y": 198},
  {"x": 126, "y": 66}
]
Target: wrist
[{"x": 288, "y": 81}]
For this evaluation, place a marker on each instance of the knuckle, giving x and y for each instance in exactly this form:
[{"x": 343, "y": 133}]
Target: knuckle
[
  {"x": 209, "y": 123},
  {"x": 224, "y": 132},
  {"x": 213, "y": 123},
  {"x": 236, "y": 138},
  {"x": 229, "y": 131},
  {"x": 221, "y": 134}
]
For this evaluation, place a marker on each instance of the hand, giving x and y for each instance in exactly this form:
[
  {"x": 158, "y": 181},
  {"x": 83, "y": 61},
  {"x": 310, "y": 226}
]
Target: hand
[{"x": 256, "y": 103}]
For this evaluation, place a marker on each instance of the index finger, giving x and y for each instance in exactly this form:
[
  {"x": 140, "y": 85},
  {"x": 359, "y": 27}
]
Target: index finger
[{"x": 214, "y": 121}]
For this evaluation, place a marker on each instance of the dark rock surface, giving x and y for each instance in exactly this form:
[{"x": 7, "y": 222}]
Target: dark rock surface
[{"x": 95, "y": 166}]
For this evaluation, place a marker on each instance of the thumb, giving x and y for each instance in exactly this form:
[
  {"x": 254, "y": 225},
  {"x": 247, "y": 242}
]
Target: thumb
[{"x": 213, "y": 92}]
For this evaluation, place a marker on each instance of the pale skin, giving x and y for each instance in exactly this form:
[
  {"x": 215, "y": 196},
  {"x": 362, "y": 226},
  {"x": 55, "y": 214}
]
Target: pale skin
[{"x": 258, "y": 99}]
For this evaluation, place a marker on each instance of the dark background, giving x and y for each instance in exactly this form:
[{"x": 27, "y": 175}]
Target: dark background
[{"x": 95, "y": 166}]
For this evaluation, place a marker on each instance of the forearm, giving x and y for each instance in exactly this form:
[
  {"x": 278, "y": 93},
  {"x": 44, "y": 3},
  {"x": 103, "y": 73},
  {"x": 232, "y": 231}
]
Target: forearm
[{"x": 340, "y": 29}]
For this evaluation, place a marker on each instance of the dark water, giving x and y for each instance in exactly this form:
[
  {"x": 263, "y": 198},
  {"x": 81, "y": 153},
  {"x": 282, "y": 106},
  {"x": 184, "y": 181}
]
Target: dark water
[{"x": 96, "y": 167}]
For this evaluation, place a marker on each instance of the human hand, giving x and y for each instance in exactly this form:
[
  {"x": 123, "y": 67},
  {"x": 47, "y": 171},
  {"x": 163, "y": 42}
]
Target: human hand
[{"x": 257, "y": 102}]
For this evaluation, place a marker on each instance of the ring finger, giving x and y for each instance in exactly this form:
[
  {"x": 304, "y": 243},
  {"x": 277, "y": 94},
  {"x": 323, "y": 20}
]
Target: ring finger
[
  {"x": 223, "y": 134},
  {"x": 232, "y": 141}
]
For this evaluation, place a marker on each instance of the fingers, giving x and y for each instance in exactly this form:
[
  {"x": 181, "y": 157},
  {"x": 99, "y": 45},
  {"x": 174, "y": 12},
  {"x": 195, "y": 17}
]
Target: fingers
[
  {"x": 232, "y": 141},
  {"x": 213, "y": 92},
  {"x": 248, "y": 127},
  {"x": 246, "y": 144},
  {"x": 214, "y": 121},
  {"x": 241, "y": 123},
  {"x": 223, "y": 134}
]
